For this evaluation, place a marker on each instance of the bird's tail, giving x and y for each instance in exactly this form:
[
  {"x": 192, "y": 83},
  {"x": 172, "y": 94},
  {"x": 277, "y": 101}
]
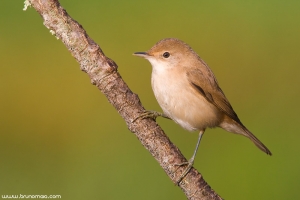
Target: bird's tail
[
  {"x": 238, "y": 128},
  {"x": 257, "y": 142}
]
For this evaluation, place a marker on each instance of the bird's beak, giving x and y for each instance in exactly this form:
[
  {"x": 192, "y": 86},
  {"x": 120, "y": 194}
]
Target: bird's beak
[{"x": 141, "y": 54}]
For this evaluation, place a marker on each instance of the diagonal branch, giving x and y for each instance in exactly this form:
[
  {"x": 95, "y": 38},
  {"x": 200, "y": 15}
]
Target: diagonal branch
[{"x": 104, "y": 75}]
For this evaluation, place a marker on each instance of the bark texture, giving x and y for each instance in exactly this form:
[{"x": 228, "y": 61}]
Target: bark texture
[{"x": 104, "y": 75}]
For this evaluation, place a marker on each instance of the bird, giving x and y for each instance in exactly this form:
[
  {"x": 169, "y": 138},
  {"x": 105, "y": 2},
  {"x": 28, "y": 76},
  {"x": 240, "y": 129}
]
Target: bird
[{"x": 189, "y": 94}]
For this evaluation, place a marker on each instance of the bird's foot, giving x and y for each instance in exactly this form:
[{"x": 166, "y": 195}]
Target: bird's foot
[
  {"x": 150, "y": 114},
  {"x": 186, "y": 171}
]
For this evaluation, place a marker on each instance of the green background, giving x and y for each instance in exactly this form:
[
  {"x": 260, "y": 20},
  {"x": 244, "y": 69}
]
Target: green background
[{"x": 59, "y": 134}]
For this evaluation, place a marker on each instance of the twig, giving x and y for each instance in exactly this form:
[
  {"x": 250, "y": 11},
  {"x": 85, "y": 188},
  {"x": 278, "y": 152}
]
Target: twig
[{"x": 103, "y": 73}]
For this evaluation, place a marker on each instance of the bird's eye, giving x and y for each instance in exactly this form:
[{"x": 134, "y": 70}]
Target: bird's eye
[{"x": 166, "y": 55}]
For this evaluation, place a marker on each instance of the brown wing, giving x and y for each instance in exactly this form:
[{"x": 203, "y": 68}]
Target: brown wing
[
  {"x": 206, "y": 84},
  {"x": 204, "y": 81}
]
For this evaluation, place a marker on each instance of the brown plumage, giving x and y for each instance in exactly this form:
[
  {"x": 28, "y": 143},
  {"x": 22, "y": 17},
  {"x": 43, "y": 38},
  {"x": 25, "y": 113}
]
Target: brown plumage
[{"x": 188, "y": 92}]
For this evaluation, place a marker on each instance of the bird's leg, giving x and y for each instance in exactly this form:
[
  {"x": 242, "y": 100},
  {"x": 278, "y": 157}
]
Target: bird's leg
[
  {"x": 151, "y": 114},
  {"x": 191, "y": 161}
]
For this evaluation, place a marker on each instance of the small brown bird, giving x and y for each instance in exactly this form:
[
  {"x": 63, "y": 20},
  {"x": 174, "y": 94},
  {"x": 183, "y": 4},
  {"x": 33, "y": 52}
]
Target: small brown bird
[{"x": 188, "y": 92}]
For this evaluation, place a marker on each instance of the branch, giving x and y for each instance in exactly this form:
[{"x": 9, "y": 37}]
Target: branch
[{"x": 104, "y": 75}]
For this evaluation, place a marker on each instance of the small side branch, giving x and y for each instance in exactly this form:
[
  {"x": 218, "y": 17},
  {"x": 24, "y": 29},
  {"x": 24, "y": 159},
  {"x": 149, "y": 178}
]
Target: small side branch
[{"x": 104, "y": 75}]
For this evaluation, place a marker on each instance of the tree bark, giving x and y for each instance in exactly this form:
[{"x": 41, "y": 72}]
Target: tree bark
[{"x": 104, "y": 75}]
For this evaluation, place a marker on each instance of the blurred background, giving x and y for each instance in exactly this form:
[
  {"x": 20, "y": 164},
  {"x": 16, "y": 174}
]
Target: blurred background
[{"x": 59, "y": 134}]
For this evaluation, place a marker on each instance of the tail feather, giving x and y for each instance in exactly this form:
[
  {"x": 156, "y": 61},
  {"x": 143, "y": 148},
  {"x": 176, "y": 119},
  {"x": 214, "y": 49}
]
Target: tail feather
[
  {"x": 257, "y": 142},
  {"x": 237, "y": 127}
]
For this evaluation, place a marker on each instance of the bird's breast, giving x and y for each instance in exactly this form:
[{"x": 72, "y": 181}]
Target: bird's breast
[{"x": 181, "y": 102}]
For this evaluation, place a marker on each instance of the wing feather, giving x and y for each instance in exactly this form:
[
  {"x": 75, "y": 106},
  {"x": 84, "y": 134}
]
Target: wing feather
[{"x": 208, "y": 87}]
